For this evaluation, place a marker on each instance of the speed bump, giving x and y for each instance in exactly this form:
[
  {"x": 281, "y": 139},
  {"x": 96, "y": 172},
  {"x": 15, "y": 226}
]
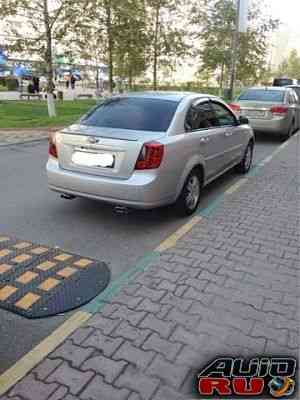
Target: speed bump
[{"x": 39, "y": 281}]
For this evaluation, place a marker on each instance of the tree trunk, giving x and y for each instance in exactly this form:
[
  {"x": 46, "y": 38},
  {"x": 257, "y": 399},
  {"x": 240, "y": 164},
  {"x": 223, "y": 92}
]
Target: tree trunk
[
  {"x": 130, "y": 78},
  {"x": 110, "y": 46},
  {"x": 221, "y": 80},
  {"x": 48, "y": 61},
  {"x": 155, "y": 55}
]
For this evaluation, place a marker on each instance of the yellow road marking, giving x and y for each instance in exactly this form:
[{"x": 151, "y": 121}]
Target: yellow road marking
[
  {"x": 236, "y": 186},
  {"x": 7, "y": 291},
  {"x": 46, "y": 265},
  {"x": 66, "y": 272},
  {"x": 83, "y": 262},
  {"x": 62, "y": 257},
  {"x": 27, "y": 277},
  {"x": 172, "y": 240},
  {"x": 4, "y": 252},
  {"x": 4, "y": 268},
  {"x": 49, "y": 284},
  {"x": 27, "y": 301},
  {"x": 21, "y": 258},
  {"x": 39, "y": 250},
  {"x": 22, "y": 245},
  {"x": 22, "y": 367}
]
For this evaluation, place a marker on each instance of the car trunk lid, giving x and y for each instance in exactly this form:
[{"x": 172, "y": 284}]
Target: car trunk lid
[
  {"x": 257, "y": 109},
  {"x": 104, "y": 152}
]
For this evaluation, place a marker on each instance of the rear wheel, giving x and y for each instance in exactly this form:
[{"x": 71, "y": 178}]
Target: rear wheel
[
  {"x": 245, "y": 165},
  {"x": 189, "y": 197},
  {"x": 291, "y": 130}
]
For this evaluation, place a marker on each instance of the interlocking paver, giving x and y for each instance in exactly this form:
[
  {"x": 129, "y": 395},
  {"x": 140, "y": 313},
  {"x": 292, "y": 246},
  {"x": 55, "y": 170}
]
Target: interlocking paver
[
  {"x": 107, "y": 345},
  {"x": 230, "y": 286},
  {"x": 30, "y": 388},
  {"x": 104, "y": 366},
  {"x": 98, "y": 389},
  {"x": 134, "y": 379},
  {"x": 136, "y": 356},
  {"x": 169, "y": 373},
  {"x": 74, "y": 379},
  {"x": 76, "y": 355},
  {"x": 165, "y": 347}
]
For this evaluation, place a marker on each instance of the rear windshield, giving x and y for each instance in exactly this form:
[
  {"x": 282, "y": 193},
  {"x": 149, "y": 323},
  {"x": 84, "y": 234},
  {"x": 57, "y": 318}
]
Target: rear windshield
[
  {"x": 133, "y": 113},
  {"x": 282, "y": 82},
  {"x": 263, "y": 95}
]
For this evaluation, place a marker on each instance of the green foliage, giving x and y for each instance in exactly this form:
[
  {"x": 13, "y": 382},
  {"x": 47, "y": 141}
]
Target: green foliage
[
  {"x": 290, "y": 66},
  {"x": 216, "y": 35}
]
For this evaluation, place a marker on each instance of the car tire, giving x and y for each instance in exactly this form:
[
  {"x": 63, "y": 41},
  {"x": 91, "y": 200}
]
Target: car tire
[
  {"x": 244, "y": 166},
  {"x": 189, "y": 198},
  {"x": 291, "y": 130}
]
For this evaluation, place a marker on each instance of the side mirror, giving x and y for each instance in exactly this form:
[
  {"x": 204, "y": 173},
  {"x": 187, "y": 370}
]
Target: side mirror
[{"x": 243, "y": 120}]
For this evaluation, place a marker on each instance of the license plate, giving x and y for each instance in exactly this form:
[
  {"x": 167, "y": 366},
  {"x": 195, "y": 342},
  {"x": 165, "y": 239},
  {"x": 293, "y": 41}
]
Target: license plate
[
  {"x": 254, "y": 113},
  {"x": 85, "y": 159}
]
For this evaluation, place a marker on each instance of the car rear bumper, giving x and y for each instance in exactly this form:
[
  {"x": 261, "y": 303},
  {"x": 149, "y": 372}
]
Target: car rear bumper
[
  {"x": 143, "y": 189},
  {"x": 274, "y": 126}
]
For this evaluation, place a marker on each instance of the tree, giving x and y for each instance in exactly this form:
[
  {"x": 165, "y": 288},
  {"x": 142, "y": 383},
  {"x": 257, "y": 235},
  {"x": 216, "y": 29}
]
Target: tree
[
  {"x": 216, "y": 37},
  {"x": 113, "y": 32},
  {"x": 131, "y": 41},
  {"x": 290, "y": 66},
  {"x": 166, "y": 33},
  {"x": 44, "y": 23}
]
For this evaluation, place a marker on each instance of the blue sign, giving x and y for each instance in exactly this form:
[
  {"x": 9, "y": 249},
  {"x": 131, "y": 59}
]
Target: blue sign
[{"x": 3, "y": 57}]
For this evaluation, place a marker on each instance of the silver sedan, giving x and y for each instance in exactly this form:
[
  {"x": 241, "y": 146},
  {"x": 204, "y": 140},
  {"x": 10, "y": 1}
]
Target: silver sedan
[
  {"x": 269, "y": 109},
  {"x": 146, "y": 150}
]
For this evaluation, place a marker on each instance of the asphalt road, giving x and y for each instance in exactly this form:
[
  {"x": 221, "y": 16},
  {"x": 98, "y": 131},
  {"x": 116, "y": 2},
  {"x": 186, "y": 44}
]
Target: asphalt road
[{"x": 31, "y": 212}]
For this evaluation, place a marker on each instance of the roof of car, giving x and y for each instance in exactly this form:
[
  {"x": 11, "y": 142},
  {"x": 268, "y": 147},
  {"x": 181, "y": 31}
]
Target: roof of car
[
  {"x": 279, "y": 88},
  {"x": 166, "y": 95}
]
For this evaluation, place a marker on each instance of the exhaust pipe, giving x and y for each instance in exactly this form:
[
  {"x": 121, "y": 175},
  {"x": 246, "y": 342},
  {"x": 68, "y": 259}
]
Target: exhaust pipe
[
  {"x": 121, "y": 210},
  {"x": 67, "y": 196}
]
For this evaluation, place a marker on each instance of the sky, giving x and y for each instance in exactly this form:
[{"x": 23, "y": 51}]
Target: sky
[{"x": 288, "y": 36}]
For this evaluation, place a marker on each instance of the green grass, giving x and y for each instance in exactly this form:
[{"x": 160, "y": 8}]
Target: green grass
[{"x": 34, "y": 114}]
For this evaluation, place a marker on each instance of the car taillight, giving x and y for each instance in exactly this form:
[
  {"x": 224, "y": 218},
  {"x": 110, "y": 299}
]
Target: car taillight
[
  {"x": 235, "y": 107},
  {"x": 52, "y": 146},
  {"x": 279, "y": 110},
  {"x": 150, "y": 156}
]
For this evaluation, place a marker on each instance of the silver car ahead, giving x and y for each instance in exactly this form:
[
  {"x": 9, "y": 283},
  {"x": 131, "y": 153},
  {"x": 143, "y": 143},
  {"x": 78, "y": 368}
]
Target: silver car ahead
[
  {"x": 149, "y": 149},
  {"x": 269, "y": 109}
]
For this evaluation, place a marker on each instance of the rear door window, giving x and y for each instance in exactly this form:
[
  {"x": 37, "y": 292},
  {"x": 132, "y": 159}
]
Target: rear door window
[
  {"x": 275, "y": 96},
  {"x": 134, "y": 113}
]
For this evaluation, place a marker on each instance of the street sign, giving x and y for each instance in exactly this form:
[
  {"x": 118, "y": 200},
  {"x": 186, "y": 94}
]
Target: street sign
[{"x": 243, "y": 7}]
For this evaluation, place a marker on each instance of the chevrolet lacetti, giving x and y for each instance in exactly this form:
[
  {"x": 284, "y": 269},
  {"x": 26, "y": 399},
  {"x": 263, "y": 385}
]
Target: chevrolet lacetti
[{"x": 146, "y": 150}]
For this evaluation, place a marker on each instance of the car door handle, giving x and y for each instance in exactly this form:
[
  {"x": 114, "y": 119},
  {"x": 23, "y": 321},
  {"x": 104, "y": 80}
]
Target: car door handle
[
  {"x": 228, "y": 133},
  {"x": 204, "y": 140}
]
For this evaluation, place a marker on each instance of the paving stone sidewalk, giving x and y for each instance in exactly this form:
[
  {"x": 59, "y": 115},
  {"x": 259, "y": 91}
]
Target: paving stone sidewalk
[
  {"x": 14, "y": 136},
  {"x": 229, "y": 287}
]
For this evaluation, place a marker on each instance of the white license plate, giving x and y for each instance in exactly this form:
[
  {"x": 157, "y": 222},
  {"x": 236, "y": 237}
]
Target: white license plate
[
  {"x": 104, "y": 160},
  {"x": 254, "y": 113}
]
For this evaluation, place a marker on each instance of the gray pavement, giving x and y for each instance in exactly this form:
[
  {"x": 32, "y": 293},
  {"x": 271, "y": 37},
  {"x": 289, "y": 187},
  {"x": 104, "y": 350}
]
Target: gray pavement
[
  {"x": 230, "y": 286},
  {"x": 30, "y": 212}
]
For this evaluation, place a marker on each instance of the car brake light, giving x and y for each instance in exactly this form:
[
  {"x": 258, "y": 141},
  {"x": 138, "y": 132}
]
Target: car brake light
[
  {"x": 150, "y": 156},
  {"x": 279, "y": 110},
  {"x": 235, "y": 107},
  {"x": 52, "y": 146}
]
